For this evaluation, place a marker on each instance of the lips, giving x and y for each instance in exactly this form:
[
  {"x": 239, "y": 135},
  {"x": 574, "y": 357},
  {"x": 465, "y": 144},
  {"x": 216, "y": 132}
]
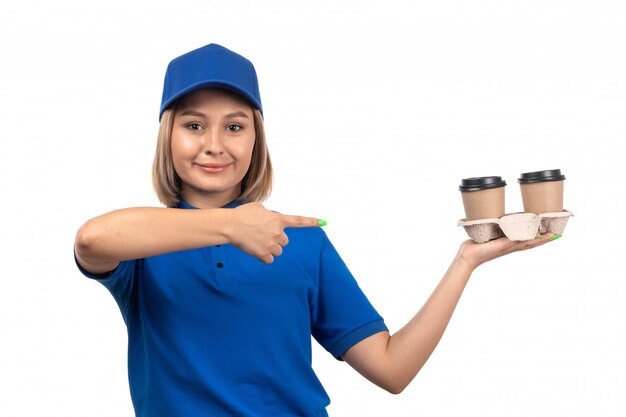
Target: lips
[{"x": 213, "y": 167}]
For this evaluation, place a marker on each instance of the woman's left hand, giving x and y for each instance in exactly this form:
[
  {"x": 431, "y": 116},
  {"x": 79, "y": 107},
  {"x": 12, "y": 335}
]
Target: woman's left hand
[
  {"x": 392, "y": 362},
  {"x": 476, "y": 254}
]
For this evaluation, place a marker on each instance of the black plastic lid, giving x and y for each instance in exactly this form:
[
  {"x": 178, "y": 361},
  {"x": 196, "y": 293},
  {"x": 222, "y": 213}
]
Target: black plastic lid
[
  {"x": 541, "y": 176},
  {"x": 481, "y": 183}
]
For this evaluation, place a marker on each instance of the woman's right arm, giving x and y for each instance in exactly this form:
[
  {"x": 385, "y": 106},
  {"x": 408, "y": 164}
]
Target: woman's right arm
[{"x": 133, "y": 233}]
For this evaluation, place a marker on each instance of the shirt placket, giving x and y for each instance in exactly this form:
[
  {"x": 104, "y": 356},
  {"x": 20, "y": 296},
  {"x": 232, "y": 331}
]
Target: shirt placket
[{"x": 221, "y": 265}]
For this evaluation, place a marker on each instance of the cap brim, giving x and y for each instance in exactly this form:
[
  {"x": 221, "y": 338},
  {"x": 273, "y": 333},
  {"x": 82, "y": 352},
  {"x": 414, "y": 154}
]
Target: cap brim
[{"x": 212, "y": 84}]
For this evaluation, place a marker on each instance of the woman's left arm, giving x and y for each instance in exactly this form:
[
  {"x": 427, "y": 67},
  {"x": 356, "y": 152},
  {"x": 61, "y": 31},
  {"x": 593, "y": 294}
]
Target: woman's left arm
[{"x": 392, "y": 361}]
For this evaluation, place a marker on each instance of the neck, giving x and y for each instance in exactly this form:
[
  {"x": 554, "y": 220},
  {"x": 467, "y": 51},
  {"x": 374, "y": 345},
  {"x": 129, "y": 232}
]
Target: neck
[{"x": 209, "y": 200}]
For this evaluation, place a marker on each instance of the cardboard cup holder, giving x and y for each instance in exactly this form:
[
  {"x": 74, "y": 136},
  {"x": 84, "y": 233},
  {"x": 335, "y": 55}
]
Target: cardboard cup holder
[{"x": 516, "y": 226}]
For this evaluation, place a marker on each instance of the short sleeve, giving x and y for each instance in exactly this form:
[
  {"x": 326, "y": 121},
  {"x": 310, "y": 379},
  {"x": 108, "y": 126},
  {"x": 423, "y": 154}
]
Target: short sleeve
[
  {"x": 342, "y": 315},
  {"x": 119, "y": 282}
]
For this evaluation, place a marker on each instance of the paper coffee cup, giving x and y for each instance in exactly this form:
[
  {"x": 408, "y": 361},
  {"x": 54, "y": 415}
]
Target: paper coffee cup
[
  {"x": 483, "y": 197},
  {"x": 542, "y": 191}
]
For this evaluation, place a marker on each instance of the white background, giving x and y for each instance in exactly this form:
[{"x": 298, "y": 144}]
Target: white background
[{"x": 374, "y": 112}]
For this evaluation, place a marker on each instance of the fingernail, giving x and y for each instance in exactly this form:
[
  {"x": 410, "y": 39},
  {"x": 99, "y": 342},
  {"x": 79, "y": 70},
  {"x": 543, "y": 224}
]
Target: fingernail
[
  {"x": 539, "y": 237},
  {"x": 322, "y": 222},
  {"x": 555, "y": 237}
]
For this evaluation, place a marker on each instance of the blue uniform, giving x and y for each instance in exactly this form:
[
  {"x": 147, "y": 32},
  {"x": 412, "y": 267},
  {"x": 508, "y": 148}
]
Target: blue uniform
[{"x": 216, "y": 332}]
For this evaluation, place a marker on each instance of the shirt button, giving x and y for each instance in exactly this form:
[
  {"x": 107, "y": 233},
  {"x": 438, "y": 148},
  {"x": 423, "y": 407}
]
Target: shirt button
[{"x": 220, "y": 265}]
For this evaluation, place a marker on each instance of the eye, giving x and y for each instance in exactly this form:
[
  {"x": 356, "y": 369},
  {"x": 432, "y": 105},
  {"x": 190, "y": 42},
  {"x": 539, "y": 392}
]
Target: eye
[
  {"x": 194, "y": 126},
  {"x": 234, "y": 128}
]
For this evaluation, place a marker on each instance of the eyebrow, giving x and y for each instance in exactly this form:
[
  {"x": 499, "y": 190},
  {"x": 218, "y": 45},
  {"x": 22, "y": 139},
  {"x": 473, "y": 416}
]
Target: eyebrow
[
  {"x": 192, "y": 113},
  {"x": 237, "y": 114},
  {"x": 200, "y": 114}
]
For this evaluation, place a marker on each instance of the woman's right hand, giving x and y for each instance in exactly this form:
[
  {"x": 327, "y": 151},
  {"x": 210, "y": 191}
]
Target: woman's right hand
[{"x": 260, "y": 232}]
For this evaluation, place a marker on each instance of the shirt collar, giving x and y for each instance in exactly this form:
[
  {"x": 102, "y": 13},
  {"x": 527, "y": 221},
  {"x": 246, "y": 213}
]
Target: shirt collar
[{"x": 185, "y": 205}]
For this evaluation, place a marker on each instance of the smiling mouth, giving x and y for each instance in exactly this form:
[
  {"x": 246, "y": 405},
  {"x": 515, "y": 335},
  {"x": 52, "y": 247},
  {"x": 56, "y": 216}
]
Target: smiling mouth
[{"x": 213, "y": 167}]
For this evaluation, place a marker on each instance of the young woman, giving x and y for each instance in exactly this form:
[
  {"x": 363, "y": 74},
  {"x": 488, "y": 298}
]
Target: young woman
[{"x": 219, "y": 294}]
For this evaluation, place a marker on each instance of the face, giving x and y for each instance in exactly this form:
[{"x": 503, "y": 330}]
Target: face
[{"x": 212, "y": 141}]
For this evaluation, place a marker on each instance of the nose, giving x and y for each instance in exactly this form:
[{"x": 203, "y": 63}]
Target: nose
[{"x": 214, "y": 143}]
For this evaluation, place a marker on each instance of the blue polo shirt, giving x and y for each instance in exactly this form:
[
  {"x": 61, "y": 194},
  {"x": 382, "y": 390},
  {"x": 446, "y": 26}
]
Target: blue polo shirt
[{"x": 216, "y": 332}]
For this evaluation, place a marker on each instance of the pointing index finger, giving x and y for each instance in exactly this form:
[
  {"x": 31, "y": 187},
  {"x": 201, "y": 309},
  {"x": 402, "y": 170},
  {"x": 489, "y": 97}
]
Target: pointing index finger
[{"x": 301, "y": 221}]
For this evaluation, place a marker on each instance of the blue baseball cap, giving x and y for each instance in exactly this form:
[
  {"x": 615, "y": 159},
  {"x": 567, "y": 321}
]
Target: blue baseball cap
[{"x": 211, "y": 66}]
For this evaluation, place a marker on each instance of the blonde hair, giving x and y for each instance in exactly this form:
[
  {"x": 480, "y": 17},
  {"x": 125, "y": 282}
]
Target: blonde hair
[{"x": 255, "y": 186}]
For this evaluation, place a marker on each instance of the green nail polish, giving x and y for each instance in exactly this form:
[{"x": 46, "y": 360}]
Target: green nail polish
[
  {"x": 555, "y": 237},
  {"x": 539, "y": 237},
  {"x": 322, "y": 222}
]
